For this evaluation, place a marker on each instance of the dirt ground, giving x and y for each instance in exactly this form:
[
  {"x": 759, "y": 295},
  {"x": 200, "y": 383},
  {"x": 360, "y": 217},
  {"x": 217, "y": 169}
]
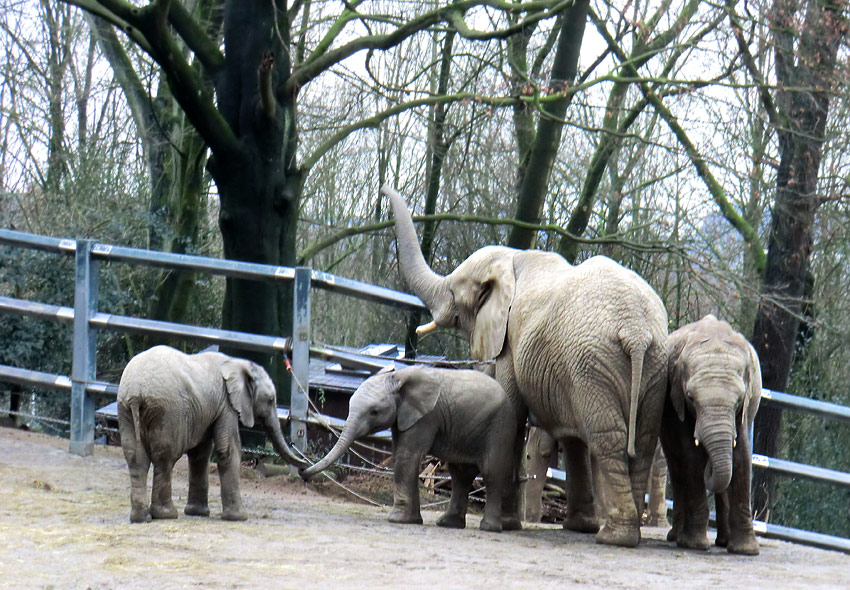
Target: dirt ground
[{"x": 64, "y": 524}]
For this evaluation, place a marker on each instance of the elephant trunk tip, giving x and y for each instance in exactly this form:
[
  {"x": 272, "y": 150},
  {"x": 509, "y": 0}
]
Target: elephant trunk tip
[{"x": 305, "y": 474}]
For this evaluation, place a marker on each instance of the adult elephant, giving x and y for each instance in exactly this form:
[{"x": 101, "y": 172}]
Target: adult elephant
[{"x": 582, "y": 347}]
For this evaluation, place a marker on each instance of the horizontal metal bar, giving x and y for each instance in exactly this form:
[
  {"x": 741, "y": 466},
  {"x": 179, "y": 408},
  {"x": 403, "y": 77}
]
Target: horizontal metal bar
[
  {"x": 783, "y": 533},
  {"x": 804, "y": 404},
  {"x": 35, "y": 309},
  {"x": 51, "y": 381},
  {"x": 365, "y": 291},
  {"x": 34, "y": 378},
  {"x": 802, "y": 470},
  {"x": 209, "y": 335},
  {"x": 217, "y": 266},
  {"x": 21, "y": 239},
  {"x": 142, "y": 325}
]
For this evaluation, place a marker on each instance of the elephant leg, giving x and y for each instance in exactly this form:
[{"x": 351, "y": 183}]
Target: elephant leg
[
  {"x": 138, "y": 464},
  {"x": 406, "y": 486},
  {"x": 694, "y": 514},
  {"x": 622, "y": 523},
  {"x": 511, "y": 497},
  {"x": 161, "y": 503},
  {"x": 227, "y": 447},
  {"x": 742, "y": 538},
  {"x": 462, "y": 477},
  {"x": 581, "y": 512},
  {"x": 509, "y": 510},
  {"x": 657, "y": 512},
  {"x": 199, "y": 480}
]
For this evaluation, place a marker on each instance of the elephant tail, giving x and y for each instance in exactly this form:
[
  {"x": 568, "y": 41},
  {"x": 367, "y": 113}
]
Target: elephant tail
[
  {"x": 636, "y": 348},
  {"x": 134, "y": 411}
]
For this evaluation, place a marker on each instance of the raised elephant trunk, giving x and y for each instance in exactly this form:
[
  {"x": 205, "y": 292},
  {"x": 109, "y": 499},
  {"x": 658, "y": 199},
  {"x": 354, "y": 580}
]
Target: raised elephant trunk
[
  {"x": 279, "y": 443},
  {"x": 716, "y": 431},
  {"x": 349, "y": 434},
  {"x": 430, "y": 287}
]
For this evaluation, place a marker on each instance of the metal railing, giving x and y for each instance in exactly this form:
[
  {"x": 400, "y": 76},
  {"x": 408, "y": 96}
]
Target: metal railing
[{"x": 87, "y": 320}]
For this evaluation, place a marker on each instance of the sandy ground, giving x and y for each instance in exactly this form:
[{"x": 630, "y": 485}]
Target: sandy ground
[{"x": 64, "y": 524}]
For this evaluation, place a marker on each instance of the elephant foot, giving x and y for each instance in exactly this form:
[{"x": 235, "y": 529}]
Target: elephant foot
[
  {"x": 140, "y": 515},
  {"x": 511, "y": 523},
  {"x": 672, "y": 535},
  {"x": 621, "y": 535},
  {"x": 746, "y": 545},
  {"x": 196, "y": 510},
  {"x": 234, "y": 515},
  {"x": 656, "y": 520},
  {"x": 493, "y": 526},
  {"x": 581, "y": 522},
  {"x": 693, "y": 541},
  {"x": 402, "y": 517},
  {"x": 452, "y": 521},
  {"x": 164, "y": 512}
]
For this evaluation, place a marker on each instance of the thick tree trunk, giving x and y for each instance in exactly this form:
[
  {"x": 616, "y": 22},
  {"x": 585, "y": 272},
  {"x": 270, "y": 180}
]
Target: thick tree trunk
[
  {"x": 259, "y": 186},
  {"x": 535, "y": 183},
  {"x": 805, "y": 80}
]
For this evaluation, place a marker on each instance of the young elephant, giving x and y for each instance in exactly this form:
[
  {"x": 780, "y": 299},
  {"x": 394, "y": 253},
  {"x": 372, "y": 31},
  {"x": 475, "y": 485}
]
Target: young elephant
[
  {"x": 713, "y": 395},
  {"x": 170, "y": 403},
  {"x": 461, "y": 417}
]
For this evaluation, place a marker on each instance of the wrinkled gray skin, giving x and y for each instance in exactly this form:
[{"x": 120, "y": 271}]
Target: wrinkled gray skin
[
  {"x": 714, "y": 393},
  {"x": 460, "y": 416},
  {"x": 171, "y": 404},
  {"x": 582, "y": 347}
]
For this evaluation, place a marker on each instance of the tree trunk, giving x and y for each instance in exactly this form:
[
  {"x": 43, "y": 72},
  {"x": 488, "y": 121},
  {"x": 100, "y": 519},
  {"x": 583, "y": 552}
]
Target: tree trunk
[
  {"x": 804, "y": 79},
  {"x": 259, "y": 187},
  {"x": 535, "y": 183}
]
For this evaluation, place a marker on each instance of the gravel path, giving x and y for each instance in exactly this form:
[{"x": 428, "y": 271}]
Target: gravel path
[{"x": 64, "y": 524}]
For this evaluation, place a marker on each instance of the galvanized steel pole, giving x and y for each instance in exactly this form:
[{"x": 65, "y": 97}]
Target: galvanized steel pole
[
  {"x": 300, "y": 358},
  {"x": 85, "y": 346}
]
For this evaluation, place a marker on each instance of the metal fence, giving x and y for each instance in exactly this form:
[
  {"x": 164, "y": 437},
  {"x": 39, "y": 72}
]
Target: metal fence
[{"x": 87, "y": 320}]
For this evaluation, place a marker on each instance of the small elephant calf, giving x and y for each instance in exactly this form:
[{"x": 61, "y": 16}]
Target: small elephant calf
[
  {"x": 713, "y": 393},
  {"x": 463, "y": 417},
  {"x": 171, "y": 404}
]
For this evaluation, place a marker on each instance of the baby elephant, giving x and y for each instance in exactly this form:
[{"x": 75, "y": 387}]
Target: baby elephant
[
  {"x": 714, "y": 388},
  {"x": 461, "y": 417},
  {"x": 170, "y": 403}
]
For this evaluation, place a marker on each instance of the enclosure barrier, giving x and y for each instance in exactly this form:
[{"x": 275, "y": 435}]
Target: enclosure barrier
[{"x": 87, "y": 320}]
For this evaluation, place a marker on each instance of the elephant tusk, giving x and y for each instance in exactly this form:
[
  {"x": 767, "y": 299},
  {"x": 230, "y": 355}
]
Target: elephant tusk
[
  {"x": 424, "y": 329},
  {"x": 734, "y": 443},
  {"x": 696, "y": 442}
]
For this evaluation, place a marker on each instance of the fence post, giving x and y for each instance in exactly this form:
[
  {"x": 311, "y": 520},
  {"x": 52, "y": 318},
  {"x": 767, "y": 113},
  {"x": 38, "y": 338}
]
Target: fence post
[
  {"x": 300, "y": 357},
  {"x": 85, "y": 346}
]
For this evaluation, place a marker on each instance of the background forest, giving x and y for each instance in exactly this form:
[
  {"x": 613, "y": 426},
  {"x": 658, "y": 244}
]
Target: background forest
[{"x": 701, "y": 144}]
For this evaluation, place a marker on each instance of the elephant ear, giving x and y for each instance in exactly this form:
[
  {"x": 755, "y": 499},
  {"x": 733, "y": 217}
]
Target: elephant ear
[
  {"x": 493, "y": 305},
  {"x": 677, "y": 372},
  {"x": 418, "y": 391},
  {"x": 752, "y": 397},
  {"x": 240, "y": 389}
]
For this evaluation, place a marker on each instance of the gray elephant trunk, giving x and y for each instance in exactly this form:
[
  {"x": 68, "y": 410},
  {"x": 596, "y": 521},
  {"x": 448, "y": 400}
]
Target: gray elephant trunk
[
  {"x": 716, "y": 431},
  {"x": 346, "y": 439},
  {"x": 430, "y": 287},
  {"x": 280, "y": 445}
]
